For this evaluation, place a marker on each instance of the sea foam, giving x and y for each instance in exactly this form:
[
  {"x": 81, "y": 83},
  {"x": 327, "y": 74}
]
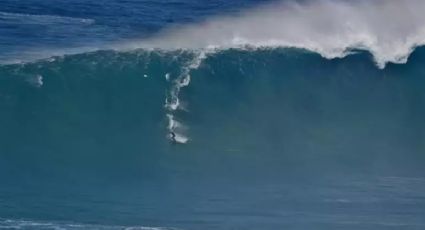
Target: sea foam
[{"x": 389, "y": 29}]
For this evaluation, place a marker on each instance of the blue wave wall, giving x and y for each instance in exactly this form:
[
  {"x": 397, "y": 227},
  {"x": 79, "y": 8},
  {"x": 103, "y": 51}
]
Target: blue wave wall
[{"x": 97, "y": 122}]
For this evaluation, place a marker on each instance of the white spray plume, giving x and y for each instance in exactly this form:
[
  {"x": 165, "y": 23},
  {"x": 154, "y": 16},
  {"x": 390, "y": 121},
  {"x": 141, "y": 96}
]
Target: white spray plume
[{"x": 389, "y": 29}]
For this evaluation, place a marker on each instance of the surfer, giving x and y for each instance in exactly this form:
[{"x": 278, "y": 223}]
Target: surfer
[{"x": 173, "y": 137}]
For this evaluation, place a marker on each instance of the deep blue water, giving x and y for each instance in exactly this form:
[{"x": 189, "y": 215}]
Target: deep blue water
[
  {"x": 278, "y": 138},
  {"x": 36, "y": 25}
]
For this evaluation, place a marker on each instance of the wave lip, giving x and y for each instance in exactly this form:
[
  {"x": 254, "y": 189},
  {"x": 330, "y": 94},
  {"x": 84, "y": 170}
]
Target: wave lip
[{"x": 389, "y": 29}]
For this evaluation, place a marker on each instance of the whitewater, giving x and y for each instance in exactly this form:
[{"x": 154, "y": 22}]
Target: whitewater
[
  {"x": 389, "y": 29},
  {"x": 184, "y": 114}
]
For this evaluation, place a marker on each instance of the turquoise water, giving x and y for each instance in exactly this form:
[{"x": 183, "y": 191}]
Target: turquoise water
[
  {"x": 277, "y": 138},
  {"x": 266, "y": 136}
]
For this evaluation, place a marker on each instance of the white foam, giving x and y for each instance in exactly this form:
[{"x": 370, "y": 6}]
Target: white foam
[
  {"x": 171, "y": 122},
  {"x": 39, "y": 80},
  {"x": 176, "y": 128},
  {"x": 389, "y": 29},
  {"x": 172, "y": 100},
  {"x": 181, "y": 139},
  {"x": 36, "y": 80},
  {"x": 167, "y": 76}
]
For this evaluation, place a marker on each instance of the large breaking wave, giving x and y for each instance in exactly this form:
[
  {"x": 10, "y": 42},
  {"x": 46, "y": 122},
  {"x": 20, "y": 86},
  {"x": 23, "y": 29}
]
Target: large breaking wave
[
  {"x": 268, "y": 114},
  {"x": 389, "y": 29},
  {"x": 257, "y": 97},
  {"x": 228, "y": 48},
  {"x": 197, "y": 95}
]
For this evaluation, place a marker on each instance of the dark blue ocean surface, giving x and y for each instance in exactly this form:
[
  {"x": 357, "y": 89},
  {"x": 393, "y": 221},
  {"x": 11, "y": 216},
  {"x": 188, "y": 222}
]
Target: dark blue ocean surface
[
  {"x": 52, "y": 24},
  {"x": 268, "y": 138}
]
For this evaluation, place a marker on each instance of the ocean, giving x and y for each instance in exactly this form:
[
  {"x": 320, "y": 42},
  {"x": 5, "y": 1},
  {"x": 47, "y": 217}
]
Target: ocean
[{"x": 198, "y": 115}]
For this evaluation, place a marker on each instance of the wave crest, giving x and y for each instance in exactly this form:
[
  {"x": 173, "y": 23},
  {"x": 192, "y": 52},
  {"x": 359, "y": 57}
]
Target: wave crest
[{"x": 389, "y": 29}]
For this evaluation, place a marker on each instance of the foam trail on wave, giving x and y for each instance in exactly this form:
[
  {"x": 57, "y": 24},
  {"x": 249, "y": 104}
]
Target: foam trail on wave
[
  {"x": 175, "y": 128},
  {"x": 389, "y": 29},
  {"x": 172, "y": 100}
]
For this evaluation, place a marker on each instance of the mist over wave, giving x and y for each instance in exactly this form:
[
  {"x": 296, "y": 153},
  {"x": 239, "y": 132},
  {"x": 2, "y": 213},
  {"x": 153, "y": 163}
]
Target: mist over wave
[
  {"x": 389, "y": 29},
  {"x": 213, "y": 126}
]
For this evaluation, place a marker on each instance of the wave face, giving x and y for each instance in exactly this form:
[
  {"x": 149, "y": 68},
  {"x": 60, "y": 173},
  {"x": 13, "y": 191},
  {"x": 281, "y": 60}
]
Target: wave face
[
  {"x": 293, "y": 115},
  {"x": 280, "y": 132}
]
